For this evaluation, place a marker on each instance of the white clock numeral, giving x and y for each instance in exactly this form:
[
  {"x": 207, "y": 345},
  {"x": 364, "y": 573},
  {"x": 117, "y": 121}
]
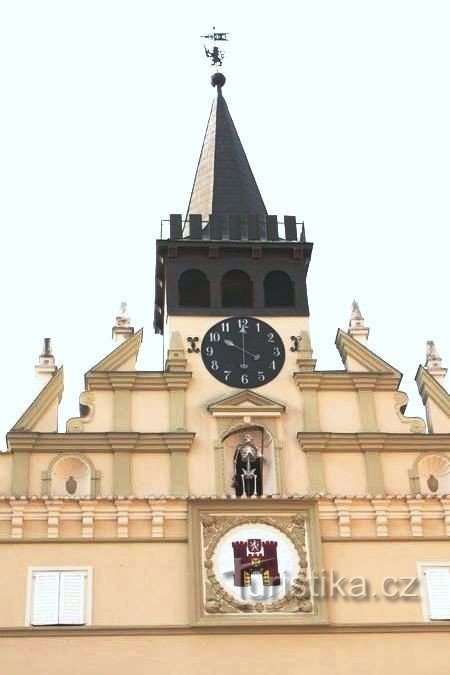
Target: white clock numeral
[
  {"x": 227, "y": 374},
  {"x": 209, "y": 351},
  {"x": 270, "y": 337},
  {"x": 244, "y": 378},
  {"x": 242, "y": 323},
  {"x": 261, "y": 376},
  {"x": 214, "y": 337},
  {"x": 273, "y": 365},
  {"x": 276, "y": 351},
  {"x": 214, "y": 365},
  {"x": 225, "y": 327},
  {"x": 258, "y": 327}
]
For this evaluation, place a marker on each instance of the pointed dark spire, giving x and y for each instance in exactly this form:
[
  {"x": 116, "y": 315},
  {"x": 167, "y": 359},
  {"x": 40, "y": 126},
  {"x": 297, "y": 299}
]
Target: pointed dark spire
[{"x": 224, "y": 182}]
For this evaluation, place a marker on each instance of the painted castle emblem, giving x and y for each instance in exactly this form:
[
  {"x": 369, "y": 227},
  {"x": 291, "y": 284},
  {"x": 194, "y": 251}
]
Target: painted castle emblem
[
  {"x": 255, "y": 563},
  {"x": 256, "y": 557}
]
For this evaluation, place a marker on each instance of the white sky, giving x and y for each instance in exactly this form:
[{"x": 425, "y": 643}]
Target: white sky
[{"x": 344, "y": 112}]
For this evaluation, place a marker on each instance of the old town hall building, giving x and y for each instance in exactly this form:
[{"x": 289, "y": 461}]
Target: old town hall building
[{"x": 240, "y": 509}]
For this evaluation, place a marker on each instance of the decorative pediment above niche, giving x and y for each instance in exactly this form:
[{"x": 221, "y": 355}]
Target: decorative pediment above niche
[{"x": 246, "y": 403}]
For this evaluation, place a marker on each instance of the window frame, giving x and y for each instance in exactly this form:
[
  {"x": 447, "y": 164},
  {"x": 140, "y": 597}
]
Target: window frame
[
  {"x": 87, "y": 569},
  {"x": 422, "y": 565}
]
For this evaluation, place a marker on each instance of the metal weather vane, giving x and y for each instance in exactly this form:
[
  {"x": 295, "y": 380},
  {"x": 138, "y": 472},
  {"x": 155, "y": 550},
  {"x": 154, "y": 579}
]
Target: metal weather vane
[{"x": 215, "y": 54}]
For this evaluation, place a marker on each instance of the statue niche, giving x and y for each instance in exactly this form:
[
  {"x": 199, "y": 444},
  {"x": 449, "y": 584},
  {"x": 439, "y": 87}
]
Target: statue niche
[{"x": 248, "y": 469}]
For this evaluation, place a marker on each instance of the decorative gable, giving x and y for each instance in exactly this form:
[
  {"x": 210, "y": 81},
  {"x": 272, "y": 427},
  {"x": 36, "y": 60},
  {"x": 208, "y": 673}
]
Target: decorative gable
[
  {"x": 122, "y": 358},
  {"x": 42, "y": 414},
  {"x": 436, "y": 400},
  {"x": 357, "y": 357}
]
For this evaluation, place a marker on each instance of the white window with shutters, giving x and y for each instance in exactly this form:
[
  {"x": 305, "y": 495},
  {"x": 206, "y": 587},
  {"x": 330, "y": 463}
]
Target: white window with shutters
[
  {"x": 59, "y": 596},
  {"x": 434, "y": 580}
]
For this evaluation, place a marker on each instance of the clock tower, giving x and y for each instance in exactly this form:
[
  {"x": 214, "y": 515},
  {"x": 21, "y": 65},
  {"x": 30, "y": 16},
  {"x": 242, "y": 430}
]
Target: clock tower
[{"x": 231, "y": 278}]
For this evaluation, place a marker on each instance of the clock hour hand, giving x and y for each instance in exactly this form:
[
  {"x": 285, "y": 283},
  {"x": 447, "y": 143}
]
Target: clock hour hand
[{"x": 230, "y": 343}]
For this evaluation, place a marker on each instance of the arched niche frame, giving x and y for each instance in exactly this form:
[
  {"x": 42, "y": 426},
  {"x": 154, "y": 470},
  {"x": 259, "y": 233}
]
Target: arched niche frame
[
  {"x": 431, "y": 463},
  {"x": 86, "y": 468},
  {"x": 234, "y": 416}
]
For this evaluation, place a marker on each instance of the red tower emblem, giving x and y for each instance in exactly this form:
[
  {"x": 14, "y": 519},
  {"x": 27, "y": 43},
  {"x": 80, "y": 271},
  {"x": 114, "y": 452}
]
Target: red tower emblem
[{"x": 255, "y": 556}]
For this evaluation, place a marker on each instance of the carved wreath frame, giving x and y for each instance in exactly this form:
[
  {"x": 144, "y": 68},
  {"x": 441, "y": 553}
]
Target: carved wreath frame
[{"x": 219, "y": 601}]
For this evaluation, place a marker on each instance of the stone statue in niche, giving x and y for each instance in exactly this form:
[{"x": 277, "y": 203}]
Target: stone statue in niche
[{"x": 248, "y": 469}]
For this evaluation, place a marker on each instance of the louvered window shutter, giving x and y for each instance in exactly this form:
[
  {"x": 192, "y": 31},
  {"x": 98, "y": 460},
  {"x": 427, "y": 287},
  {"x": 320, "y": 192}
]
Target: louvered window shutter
[
  {"x": 438, "y": 589},
  {"x": 71, "y": 598},
  {"x": 45, "y": 598}
]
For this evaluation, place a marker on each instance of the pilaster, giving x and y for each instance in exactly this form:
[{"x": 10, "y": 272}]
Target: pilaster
[
  {"x": 374, "y": 471},
  {"x": 311, "y": 418},
  {"x": 122, "y": 410},
  {"x": 20, "y": 472},
  {"x": 315, "y": 472},
  {"x": 177, "y": 409},
  {"x": 179, "y": 482},
  {"x": 122, "y": 473},
  {"x": 367, "y": 413}
]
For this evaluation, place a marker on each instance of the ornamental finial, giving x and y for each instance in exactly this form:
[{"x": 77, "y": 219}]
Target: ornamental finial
[
  {"x": 433, "y": 363},
  {"x": 356, "y": 327},
  {"x": 215, "y": 54}
]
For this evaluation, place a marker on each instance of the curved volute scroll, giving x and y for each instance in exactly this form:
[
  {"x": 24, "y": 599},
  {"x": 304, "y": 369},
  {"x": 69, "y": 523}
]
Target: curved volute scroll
[
  {"x": 87, "y": 409},
  {"x": 416, "y": 424}
]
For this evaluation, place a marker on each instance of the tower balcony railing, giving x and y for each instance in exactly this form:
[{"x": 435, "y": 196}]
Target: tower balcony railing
[{"x": 233, "y": 228}]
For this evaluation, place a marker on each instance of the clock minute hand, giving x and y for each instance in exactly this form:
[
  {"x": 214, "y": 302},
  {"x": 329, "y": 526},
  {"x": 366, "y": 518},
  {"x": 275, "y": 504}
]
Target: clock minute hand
[
  {"x": 242, "y": 332},
  {"x": 230, "y": 343}
]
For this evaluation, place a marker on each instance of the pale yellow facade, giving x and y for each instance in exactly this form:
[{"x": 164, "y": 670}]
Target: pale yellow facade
[
  {"x": 182, "y": 525},
  {"x": 153, "y": 445}
]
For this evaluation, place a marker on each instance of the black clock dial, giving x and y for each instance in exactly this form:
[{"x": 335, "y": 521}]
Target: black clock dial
[{"x": 243, "y": 352}]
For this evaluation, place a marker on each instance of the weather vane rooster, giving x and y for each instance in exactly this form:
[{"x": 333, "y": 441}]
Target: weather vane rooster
[{"x": 215, "y": 54}]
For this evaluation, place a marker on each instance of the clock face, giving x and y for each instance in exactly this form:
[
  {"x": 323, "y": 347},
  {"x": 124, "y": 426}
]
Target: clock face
[{"x": 243, "y": 352}]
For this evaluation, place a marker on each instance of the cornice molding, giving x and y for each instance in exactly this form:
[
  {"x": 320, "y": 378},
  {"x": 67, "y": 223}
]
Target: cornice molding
[
  {"x": 240, "y": 629},
  {"x": 103, "y": 540},
  {"x": 429, "y": 387},
  {"x": 171, "y": 441},
  {"x": 137, "y": 380},
  {"x": 383, "y": 540},
  {"x": 382, "y": 442},
  {"x": 341, "y": 380},
  {"x": 51, "y": 393}
]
